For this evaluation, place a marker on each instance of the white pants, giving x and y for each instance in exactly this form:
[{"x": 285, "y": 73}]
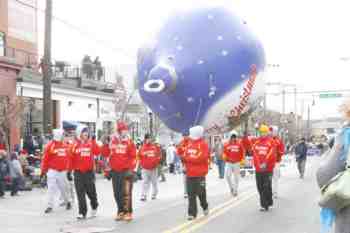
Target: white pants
[
  {"x": 57, "y": 184},
  {"x": 150, "y": 177},
  {"x": 275, "y": 178},
  {"x": 70, "y": 191},
  {"x": 233, "y": 169}
]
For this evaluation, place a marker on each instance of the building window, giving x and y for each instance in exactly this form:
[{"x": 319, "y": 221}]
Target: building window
[{"x": 2, "y": 44}]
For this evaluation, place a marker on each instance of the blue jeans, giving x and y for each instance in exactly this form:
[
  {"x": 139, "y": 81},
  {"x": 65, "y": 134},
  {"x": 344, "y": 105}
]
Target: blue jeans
[{"x": 221, "y": 167}]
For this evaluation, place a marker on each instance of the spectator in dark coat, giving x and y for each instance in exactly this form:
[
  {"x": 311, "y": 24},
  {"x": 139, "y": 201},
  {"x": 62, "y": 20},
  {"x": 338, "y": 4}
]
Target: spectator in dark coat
[{"x": 300, "y": 156}]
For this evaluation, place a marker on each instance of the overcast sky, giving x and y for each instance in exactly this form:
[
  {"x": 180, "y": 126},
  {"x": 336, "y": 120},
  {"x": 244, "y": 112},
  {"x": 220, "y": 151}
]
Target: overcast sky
[{"x": 307, "y": 38}]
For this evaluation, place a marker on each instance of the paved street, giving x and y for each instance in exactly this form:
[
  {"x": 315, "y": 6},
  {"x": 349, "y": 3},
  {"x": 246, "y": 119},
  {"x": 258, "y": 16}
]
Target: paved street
[{"x": 296, "y": 210}]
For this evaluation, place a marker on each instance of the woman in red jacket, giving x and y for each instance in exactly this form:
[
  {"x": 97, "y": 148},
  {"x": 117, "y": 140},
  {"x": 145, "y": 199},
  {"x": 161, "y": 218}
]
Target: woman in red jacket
[
  {"x": 121, "y": 152},
  {"x": 83, "y": 154},
  {"x": 150, "y": 157},
  {"x": 264, "y": 161},
  {"x": 196, "y": 160}
]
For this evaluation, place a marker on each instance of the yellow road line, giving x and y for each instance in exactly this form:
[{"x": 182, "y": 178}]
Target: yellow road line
[
  {"x": 198, "y": 225},
  {"x": 213, "y": 211}
]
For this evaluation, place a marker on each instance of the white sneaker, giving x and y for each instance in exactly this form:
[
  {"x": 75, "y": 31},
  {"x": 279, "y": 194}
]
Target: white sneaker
[
  {"x": 93, "y": 213},
  {"x": 81, "y": 217}
]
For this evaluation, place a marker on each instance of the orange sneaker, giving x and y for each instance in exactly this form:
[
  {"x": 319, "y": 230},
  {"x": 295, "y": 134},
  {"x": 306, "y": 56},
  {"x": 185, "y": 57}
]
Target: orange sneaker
[
  {"x": 128, "y": 217},
  {"x": 119, "y": 217}
]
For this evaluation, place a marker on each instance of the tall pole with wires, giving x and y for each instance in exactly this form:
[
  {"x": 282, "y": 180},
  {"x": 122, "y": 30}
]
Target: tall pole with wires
[{"x": 46, "y": 66}]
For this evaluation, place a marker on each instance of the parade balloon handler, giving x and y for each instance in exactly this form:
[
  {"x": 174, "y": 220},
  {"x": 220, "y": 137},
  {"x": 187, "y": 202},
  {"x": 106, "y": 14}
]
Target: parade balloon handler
[
  {"x": 55, "y": 164},
  {"x": 279, "y": 150},
  {"x": 264, "y": 157},
  {"x": 121, "y": 152},
  {"x": 83, "y": 152},
  {"x": 150, "y": 157},
  {"x": 233, "y": 154},
  {"x": 196, "y": 160},
  {"x": 180, "y": 150}
]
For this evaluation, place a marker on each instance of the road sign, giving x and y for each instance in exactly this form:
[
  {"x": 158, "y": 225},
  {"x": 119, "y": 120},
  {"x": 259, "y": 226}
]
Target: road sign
[{"x": 331, "y": 95}]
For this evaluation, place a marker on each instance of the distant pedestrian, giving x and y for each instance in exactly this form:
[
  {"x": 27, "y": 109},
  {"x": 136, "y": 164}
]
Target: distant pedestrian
[
  {"x": 264, "y": 162},
  {"x": 218, "y": 151},
  {"x": 279, "y": 151},
  {"x": 16, "y": 174},
  {"x": 180, "y": 150},
  {"x": 150, "y": 157},
  {"x": 233, "y": 154},
  {"x": 196, "y": 160},
  {"x": 170, "y": 156},
  {"x": 162, "y": 165},
  {"x": 301, "y": 157}
]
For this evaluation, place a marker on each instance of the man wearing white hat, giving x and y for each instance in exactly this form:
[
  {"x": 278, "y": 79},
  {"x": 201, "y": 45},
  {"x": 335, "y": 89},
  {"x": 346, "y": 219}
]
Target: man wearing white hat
[
  {"x": 55, "y": 164},
  {"x": 196, "y": 160}
]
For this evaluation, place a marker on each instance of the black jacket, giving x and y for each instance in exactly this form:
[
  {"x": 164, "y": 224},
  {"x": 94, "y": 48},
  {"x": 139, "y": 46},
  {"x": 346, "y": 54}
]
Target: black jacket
[{"x": 301, "y": 151}]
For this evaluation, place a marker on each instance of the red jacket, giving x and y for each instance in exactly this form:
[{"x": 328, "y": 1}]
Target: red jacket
[
  {"x": 150, "y": 156},
  {"x": 247, "y": 143},
  {"x": 234, "y": 151},
  {"x": 196, "y": 158},
  {"x": 264, "y": 152},
  {"x": 121, "y": 153},
  {"x": 2, "y": 146},
  {"x": 56, "y": 157},
  {"x": 279, "y": 148},
  {"x": 180, "y": 149},
  {"x": 83, "y": 155}
]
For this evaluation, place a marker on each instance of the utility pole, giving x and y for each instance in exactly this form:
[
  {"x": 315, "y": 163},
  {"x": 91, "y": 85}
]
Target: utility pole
[
  {"x": 308, "y": 122},
  {"x": 296, "y": 111},
  {"x": 46, "y": 66},
  {"x": 265, "y": 106}
]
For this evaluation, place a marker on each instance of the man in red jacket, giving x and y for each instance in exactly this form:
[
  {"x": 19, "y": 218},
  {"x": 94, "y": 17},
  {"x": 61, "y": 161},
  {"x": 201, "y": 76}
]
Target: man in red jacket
[
  {"x": 196, "y": 160},
  {"x": 264, "y": 161},
  {"x": 150, "y": 157},
  {"x": 55, "y": 164},
  {"x": 83, "y": 154},
  {"x": 279, "y": 150},
  {"x": 121, "y": 152},
  {"x": 233, "y": 155}
]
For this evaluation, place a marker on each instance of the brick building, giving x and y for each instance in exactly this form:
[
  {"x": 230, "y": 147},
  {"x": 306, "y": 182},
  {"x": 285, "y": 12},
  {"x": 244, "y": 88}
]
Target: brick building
[{"x": 18, "y": 48}]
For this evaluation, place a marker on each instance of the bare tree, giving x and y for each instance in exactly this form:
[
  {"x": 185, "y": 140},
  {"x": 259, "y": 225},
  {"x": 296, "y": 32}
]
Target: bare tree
[{"x": 10, "y": 113}]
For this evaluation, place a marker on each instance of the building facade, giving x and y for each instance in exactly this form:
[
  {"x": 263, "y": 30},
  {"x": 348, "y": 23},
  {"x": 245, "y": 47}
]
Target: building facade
[{"x": 18, "y": 49}]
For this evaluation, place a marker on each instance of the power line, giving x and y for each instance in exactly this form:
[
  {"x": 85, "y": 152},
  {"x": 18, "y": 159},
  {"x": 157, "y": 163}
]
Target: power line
[
  {"x": 80, "y": 30},
  {"x": 312, "y": 92}
]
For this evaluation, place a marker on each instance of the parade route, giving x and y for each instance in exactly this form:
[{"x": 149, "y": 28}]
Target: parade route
[{"x": 295, "y": 211}]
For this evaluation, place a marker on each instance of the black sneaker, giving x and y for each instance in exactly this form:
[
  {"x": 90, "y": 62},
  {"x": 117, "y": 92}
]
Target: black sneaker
[
  {"x": 48, "y": 210},
  {"x": 143, "y": 199},
  {"x": 68, "y": 206},
  {"x": 191, "y": 218},
  {"x": 154, "y": 197}
]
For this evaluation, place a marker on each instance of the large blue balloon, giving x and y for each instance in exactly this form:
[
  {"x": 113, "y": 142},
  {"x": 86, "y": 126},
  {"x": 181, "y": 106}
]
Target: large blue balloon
[{"x": 202, "y": 68}]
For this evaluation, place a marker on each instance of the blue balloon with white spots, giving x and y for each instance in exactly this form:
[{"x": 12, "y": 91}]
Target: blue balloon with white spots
[{"x": 203, "y": 67}]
